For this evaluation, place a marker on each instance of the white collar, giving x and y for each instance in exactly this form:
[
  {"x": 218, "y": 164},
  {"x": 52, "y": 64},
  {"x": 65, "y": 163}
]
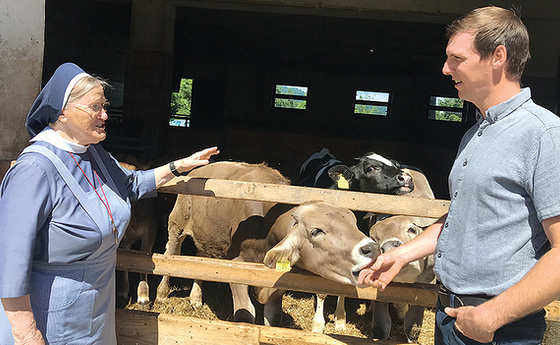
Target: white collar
[{"x": 50, "y": 136}]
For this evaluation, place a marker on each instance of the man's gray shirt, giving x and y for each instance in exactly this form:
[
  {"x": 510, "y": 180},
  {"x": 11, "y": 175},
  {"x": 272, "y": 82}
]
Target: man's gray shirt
[{"x": 504, "y": 182}]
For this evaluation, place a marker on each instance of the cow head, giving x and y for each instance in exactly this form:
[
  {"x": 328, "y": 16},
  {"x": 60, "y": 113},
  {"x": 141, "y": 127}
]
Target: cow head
[
  {"x": 375, "y": 174},
  {"x": 394, "y": 231},
  {"x": 322, "y": 239}
]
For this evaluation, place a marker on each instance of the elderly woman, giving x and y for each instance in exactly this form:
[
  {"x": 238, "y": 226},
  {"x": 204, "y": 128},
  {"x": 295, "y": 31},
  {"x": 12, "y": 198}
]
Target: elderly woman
[{"x": 64, "y": 207}]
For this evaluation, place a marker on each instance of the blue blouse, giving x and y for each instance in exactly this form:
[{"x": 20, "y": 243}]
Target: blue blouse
[
  {"x": 31, "y": 190},
  {"x": 59, "y": 252},
  {"x": 503, "y": 184}
]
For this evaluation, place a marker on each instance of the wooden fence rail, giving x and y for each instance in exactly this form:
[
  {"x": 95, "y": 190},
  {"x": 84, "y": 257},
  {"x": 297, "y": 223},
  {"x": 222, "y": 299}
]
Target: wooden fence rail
[
  {"x": 419, "y": 294},
  {"x": 142, "y": 328},
  {"x": 358, "y": 201},
  {"x": 256, "y": 274}
]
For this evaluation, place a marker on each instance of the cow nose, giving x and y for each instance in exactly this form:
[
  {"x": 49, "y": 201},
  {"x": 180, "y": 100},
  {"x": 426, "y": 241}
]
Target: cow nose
[
  {"x": 390, "y": 245},
  {"x": 404, "y": 178},
  {"x": 370, "y": 250}
]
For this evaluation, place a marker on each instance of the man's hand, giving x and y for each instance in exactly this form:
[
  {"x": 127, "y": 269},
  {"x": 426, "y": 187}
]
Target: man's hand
[
  {"x": 471, "y": 324},
  {"x": 381, "y": 272}
]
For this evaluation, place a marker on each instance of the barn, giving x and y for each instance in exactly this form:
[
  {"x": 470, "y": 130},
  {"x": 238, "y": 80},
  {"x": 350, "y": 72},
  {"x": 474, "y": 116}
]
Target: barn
[
  {"x": 269, "y": 80},
  {"x": 264, "y": 80}
]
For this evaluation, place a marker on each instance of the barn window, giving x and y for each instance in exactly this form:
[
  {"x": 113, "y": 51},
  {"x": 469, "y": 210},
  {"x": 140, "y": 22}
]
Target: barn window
[
  {"x": 181, "y": 105},
  {"x": 446, "y": 109},
  {"x": 372, "y": 103},
  {"x": 290, "y": 97}
]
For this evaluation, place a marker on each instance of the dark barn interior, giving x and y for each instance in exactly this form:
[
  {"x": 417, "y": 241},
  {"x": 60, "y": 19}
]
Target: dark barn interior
[{"x": 236, "y": 55}]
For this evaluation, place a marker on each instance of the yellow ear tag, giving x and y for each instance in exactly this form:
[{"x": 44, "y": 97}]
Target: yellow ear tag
[
  {"x": 283, "y": 265},
  {"x": 343, "y": 183}
]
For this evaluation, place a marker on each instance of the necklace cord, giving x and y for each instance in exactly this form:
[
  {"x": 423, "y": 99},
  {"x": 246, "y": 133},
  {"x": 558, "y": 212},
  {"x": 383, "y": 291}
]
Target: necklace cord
[{"x": 106, "y": 202}]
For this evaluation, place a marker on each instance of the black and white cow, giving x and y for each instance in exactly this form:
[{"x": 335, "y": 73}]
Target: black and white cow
[
  {"x": 377, "y": 174},
  {"x": 372, "y": 173}
]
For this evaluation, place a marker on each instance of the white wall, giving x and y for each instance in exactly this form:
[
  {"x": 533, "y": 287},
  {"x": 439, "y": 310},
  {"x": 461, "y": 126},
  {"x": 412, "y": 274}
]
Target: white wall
[{"x": 22, "y": 24}]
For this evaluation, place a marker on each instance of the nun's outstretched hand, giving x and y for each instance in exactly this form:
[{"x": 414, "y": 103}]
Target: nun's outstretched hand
[{"x": 182, "y": 166}]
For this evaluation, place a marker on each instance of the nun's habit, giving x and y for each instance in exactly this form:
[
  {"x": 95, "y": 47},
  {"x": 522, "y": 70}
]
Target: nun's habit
[{"x": 56, "y": 235}]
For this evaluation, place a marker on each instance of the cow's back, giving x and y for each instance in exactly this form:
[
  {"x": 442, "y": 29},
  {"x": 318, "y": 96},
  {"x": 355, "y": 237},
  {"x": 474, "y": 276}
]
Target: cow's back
[{"x": 216, "y": 223}]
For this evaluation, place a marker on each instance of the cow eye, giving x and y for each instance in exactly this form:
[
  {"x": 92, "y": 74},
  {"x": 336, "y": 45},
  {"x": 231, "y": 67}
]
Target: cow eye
[
  {"x": 372, "y": 168},
  {"x": 412, "y": 231},
  {"x": 316, "y": 232}
]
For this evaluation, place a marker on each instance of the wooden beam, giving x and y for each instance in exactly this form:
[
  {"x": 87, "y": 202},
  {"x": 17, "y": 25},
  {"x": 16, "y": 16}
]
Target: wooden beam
[
  {"x": 369, "y": 202},
  {"x": 257, "y": 274},
  {"x": 142, "y": 328}
]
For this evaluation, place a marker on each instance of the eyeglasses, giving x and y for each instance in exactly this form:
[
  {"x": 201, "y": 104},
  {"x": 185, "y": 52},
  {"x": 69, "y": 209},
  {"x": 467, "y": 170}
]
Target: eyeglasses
[{"x": 96, "y": 108}]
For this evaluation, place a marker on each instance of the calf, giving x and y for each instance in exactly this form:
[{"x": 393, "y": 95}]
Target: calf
[
  {"x": 217, "y": 226},
  {"x": 390, "y": 233},
  {"x": 315, "y": 236},
  {"x": 372, "y": 173},
  {"x": 422, "y": 185}
]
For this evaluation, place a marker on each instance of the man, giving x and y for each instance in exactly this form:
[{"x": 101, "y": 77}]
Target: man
[{"x": 497, "y": 250}]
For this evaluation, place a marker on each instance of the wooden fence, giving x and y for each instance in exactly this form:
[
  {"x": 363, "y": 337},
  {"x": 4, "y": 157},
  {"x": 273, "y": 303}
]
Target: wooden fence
[{"x": 149, "y": 328}]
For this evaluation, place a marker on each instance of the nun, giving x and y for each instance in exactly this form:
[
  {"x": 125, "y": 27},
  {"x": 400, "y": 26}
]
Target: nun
[{"x": 64, "y": 207}]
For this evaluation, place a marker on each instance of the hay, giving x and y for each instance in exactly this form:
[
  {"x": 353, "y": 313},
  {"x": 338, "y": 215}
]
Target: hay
[
  {"x": 552, "y": 335},
  {"x": 298, "y": 310}
]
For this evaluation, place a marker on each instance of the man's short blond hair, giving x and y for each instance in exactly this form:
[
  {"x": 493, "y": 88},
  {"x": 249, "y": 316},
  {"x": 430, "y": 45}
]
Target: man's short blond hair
[{"x": 495, "y": 26}]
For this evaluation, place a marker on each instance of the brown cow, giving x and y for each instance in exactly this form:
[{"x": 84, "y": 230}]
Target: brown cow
[
  {"x": 148, "y": 216},
  {"x": 390, "y": 233},
  {"x": 316, "y": 236},
  {"x": 143, "y": 227},
  {"x": 215, "y": 224}
]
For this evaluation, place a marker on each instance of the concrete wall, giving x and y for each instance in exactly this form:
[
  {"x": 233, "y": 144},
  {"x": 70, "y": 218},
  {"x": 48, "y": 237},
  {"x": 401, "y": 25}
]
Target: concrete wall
[
  {"x": 22, "y": 24},
  {"x": 149, "y": 69}
]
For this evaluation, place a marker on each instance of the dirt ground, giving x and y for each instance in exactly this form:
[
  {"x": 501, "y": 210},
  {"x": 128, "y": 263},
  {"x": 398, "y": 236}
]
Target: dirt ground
[{"x": 298, "y": 310}]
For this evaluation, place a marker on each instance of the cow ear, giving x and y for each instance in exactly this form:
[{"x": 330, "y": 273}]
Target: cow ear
[
  {"x": 423, "y": 222},
  {"x": 340, "y": 170},
  {"x": 285, "y": 251},
  {"x": 373, "y": 218}
]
